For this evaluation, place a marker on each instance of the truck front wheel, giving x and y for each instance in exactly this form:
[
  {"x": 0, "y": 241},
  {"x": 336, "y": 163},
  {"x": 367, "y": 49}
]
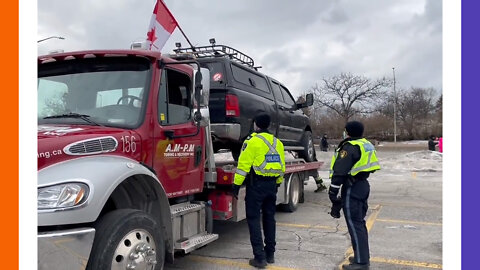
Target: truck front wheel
[{"x": 127, "y": 239}]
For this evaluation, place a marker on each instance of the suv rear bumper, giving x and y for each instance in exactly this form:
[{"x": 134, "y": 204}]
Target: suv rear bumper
[
  {"x": 65, "y": 249},
  {"x": 229, "y": 132}
]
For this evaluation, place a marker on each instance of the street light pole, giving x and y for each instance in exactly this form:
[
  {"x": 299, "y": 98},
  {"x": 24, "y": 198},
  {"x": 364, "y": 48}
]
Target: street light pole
[
  {"x": 41, "y": 40},
  {"x": 394, "y": 109}
]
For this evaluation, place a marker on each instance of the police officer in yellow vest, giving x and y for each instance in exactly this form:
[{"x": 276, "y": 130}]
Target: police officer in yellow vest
[
  {"x": 350, "y": 168},
  {"x": 261, "y": 166}
]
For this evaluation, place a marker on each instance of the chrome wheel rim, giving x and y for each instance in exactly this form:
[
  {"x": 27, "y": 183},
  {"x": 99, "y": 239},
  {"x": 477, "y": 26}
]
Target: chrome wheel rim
[
  {"x": 310, "y": 149},
  {"x": 136, "y": 250}
]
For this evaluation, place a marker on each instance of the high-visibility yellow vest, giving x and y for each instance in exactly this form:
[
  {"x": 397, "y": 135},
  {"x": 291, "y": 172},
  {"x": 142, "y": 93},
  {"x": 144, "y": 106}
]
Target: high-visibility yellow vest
[
  {"x": 265, "y": 154},
  {"x": 368, "y": 161}
]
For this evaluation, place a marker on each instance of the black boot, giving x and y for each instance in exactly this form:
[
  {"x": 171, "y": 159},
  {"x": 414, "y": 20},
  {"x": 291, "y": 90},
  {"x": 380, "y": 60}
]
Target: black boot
[
  {"x": 355, "y": 266},
  {"x": 320, "y": 185},
  {"x": 351, "y": 260},
  {"x": 257, "y": 263},
  {"x": 270, "y": 258}
]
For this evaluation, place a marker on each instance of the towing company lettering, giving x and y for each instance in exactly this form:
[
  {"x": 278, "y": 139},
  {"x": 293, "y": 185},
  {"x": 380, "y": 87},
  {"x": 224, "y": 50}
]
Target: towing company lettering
[
  {"x": 179, "y": 150},
  {"x": 48, "y": 154}
]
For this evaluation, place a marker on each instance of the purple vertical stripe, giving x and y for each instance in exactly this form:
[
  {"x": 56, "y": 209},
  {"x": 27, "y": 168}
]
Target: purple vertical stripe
[{"x": 470, "y": 159}]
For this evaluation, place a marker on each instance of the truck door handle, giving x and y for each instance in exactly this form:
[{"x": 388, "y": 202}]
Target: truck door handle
[{"x": 169, "y": 134}]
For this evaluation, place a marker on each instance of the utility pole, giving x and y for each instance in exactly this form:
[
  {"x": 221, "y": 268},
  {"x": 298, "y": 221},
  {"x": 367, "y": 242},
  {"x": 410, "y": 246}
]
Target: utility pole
[{"x": 394, "y": 109}]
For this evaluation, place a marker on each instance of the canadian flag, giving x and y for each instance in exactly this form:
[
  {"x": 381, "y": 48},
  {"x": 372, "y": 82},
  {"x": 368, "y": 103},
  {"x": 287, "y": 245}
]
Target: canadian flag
[{"x": 161, "y": 26}]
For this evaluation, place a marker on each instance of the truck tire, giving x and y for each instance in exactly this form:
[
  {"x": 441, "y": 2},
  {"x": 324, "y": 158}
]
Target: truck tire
[
  {"x": 308, "y": 152},
  {"x": 302, "y": 193},
  {"x": 127, "y": 237},
  {"x": 295, "y": 194}
]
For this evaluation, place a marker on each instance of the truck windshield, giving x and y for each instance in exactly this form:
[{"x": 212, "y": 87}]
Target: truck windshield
[{"x": 107, "y": 92}]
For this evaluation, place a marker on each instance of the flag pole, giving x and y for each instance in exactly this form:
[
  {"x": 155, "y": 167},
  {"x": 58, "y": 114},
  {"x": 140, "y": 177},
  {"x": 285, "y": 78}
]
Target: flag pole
[
  {"x": 181, "y": 30},
  {"x": 178, "y": 25}
]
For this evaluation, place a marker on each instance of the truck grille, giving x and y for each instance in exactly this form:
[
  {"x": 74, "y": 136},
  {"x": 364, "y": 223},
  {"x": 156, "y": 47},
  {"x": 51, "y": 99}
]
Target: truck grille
[{"x": 92, "y": 146}]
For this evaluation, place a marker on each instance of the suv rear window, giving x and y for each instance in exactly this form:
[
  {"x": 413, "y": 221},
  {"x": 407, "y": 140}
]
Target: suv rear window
[
  {"x": 249, "y": 78},
  {"x": 217, "y": 74}
]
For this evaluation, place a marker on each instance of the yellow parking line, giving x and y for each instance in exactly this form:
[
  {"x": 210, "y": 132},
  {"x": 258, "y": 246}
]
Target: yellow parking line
[
  {"x": 307, "y": 226},
  {"x": 373, "y": 216},
  {"x": 406, "y": 263},
  {"x": 411, "y": 205},
  {"x": 370, "y": 221},
  {"x": 234, "y": 263},
  {"x": 409, "y": 222}
]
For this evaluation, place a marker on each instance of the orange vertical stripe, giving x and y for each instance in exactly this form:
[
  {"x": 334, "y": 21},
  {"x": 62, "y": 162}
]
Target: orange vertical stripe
[{"x": 9, "y": 133}]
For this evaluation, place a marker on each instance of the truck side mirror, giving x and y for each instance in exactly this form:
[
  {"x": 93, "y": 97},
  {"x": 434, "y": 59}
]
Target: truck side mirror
[
  {"x": 308, "y": 102},
  {"x": 198, "y": 87},
  {"x": 204, "y": 90},
  {"x": 205, "y": 87},
  {"x": 197, "y": 116},
  {"x": 309, "y": 99}
]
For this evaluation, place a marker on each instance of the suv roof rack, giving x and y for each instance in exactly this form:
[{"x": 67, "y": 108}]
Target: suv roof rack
[{"x": 217, "y": 51}]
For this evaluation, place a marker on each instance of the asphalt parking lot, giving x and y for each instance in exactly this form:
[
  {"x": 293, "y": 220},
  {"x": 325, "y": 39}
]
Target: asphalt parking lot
[{"x": 404, "y": 222}]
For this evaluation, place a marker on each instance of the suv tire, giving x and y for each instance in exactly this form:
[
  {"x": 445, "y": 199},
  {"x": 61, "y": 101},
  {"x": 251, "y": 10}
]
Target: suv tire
[{"x": 308, "y": 152}]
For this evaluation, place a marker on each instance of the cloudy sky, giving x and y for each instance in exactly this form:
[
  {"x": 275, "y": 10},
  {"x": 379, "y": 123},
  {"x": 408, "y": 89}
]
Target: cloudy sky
[{"x": 296, "y": 42}]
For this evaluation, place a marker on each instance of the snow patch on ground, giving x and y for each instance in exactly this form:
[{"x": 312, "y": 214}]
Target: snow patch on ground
[
  {"x": 414, "y": 142},
  {"x": 417, "y": 161}
]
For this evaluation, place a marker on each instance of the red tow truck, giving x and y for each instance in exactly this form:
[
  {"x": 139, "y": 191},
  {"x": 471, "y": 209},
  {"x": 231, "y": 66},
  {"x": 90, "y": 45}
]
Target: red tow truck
[{"x": 126, "y": 170}]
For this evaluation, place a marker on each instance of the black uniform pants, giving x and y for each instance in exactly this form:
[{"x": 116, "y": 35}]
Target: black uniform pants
[
  {"x": 260, "y": 200},
  {"x": 355, "y": 206}
]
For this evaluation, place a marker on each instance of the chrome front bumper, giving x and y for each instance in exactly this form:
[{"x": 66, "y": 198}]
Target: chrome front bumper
[
  {"x": 226, "y": 131},
  {"x": 67, "y": 249}
]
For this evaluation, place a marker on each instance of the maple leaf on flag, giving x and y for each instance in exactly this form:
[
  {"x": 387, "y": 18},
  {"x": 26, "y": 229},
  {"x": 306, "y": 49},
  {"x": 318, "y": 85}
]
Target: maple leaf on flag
[
  {"x": 151, "y": 37},
  {"x": 162, "y": 25}
]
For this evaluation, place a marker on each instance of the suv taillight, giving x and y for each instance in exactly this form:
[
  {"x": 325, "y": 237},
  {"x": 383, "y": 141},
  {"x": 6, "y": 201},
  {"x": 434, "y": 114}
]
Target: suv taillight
[{"x": 231, "y": 106}]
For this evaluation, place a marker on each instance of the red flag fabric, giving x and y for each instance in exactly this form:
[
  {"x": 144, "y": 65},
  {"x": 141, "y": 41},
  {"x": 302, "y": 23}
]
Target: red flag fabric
[{"x": 162, "y": 25}]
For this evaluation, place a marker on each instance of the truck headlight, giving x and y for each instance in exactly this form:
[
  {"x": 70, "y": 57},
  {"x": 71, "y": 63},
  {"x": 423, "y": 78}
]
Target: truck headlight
[{"x": 62, "y": 196}]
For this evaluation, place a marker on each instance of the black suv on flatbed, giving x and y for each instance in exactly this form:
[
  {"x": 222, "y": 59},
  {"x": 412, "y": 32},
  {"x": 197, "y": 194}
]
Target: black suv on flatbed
[{"x": 238, "y": 92}]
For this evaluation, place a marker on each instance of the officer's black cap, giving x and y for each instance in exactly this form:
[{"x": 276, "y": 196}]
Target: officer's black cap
[
  {"x": 262, "y": 120},
  {"x": 354, "y": 129}
]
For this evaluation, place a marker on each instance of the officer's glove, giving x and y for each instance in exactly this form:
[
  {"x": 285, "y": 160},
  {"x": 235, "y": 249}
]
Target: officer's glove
[
  {"x": 335, "y": 211},
  {"x": 333, "y": 194},
  {"x": 235, "y": 190}
]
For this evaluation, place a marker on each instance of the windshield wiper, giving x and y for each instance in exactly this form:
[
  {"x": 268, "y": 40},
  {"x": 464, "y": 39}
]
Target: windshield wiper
[{"x": 84, "y": 117}]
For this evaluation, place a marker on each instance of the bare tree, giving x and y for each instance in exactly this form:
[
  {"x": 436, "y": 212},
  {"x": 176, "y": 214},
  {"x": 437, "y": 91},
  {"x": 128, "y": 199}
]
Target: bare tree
[
  {"x": 347, "y": 94},
  {"x": 415, "y": 110},
  {"x": 439, "y": 115}
]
